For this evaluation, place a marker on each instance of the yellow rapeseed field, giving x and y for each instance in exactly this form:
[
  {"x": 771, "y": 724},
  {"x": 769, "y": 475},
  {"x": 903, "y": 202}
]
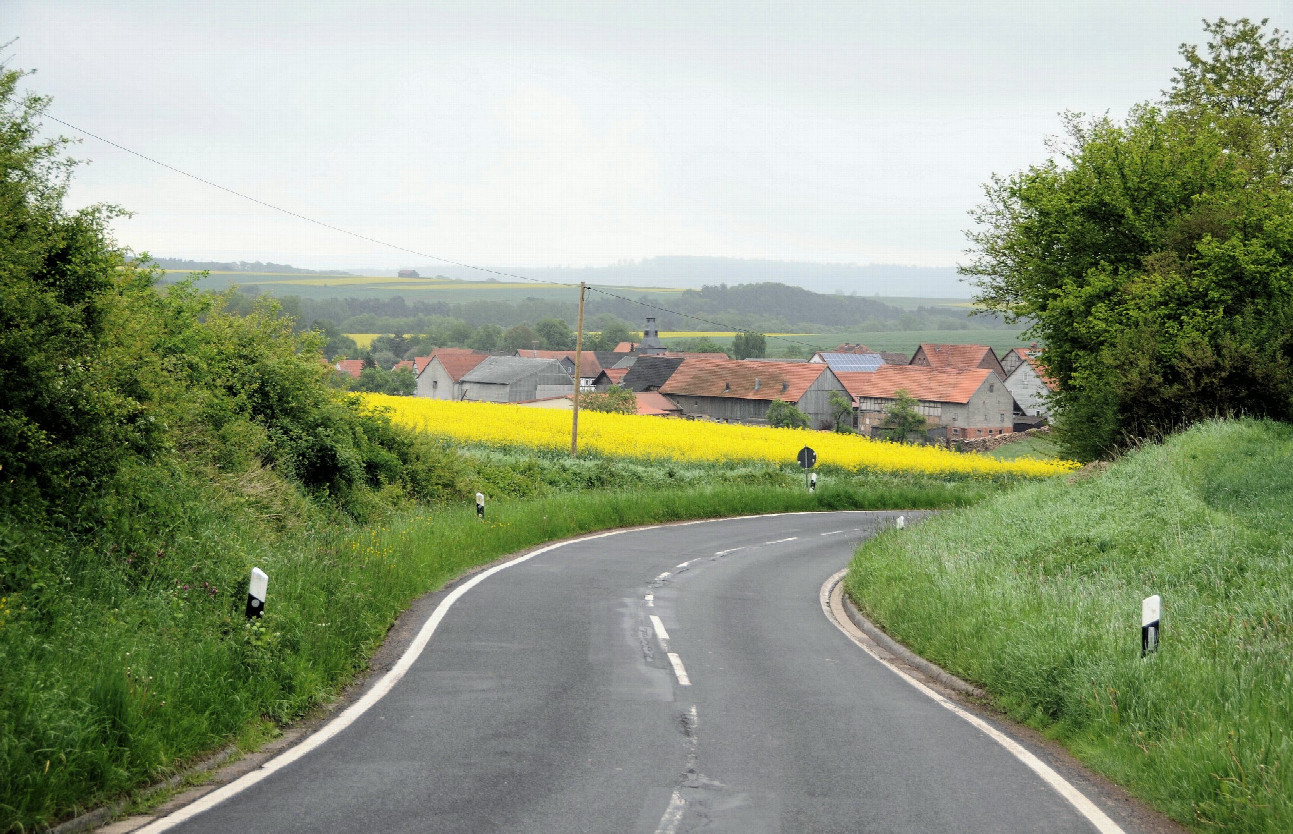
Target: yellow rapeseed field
[{"x": 687, "y": 440}]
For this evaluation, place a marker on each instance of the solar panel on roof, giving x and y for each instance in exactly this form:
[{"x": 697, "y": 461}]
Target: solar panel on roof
[{"x": 852, "y": 361}]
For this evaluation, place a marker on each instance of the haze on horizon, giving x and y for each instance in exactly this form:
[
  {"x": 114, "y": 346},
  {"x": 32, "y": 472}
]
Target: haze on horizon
[{"x": 511, "y": 134}]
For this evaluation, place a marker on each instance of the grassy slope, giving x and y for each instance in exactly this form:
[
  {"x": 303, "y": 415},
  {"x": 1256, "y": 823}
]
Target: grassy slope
[{"x": 1035, "y": 594}]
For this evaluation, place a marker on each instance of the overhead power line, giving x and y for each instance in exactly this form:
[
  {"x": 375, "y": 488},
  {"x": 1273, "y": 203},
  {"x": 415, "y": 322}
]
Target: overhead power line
[{"x": 396, "y": 247}]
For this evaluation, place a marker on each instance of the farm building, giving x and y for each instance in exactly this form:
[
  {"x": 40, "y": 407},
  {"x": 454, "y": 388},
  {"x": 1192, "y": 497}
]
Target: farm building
[
  {"x": 1028, "y": 383},
  {"x": 741, "y": 392},
  {"x": 966, "y": 403},
  {"x": 512, "y": 379},
  {"x": 958, "y": 357},
  {"x": 440, "y": 376}
]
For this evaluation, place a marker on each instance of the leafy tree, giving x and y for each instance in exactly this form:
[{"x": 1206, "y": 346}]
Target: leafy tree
[
  {"x": 841, "y": 412},
  {"x": 614, "y": 400},
  {"x": 702, "y": 344},
  {"x": 1155, "y": 258},
  {"x": 784, "y": 415},
  {"x": 748, "y": 345},
  {"x": 396, "y": 345},
  {"x": 903, "y": 419},
  {"x": 1243, "y": 84},
  {"x": 520, "y": 337},
  {"x": 556, "y": 334},
  {"x": 486, "y": 337},
  {"x": 336, "y": 344},
  {"x": 59, "y": 428},
  {"x": 611, "y": 331},
  {"x": 399, "y": 382},
  {"x": 458, "y": 334}
]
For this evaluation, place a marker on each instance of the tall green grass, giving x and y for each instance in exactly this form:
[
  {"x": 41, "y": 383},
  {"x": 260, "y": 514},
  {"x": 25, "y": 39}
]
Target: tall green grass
[
  {"x": 132, "y": 657},
  {"x": 1036, "y": 595}
]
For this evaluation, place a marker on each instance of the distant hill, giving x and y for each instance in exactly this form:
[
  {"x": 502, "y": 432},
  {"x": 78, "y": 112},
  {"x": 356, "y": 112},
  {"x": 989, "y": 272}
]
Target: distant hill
[
  {"x": 697, "y": 272},
  {"x": 241, "y": 266}
]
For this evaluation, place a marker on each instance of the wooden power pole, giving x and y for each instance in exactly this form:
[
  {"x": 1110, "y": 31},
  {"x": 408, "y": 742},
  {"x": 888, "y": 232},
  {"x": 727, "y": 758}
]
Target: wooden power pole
[{"x": 579, "y": 346}]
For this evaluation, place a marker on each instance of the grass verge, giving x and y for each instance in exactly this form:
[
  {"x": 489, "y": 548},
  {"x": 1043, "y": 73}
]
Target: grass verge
[
  {"x": 1035, "y": 595},
  {"x": 137, "y": 663}
]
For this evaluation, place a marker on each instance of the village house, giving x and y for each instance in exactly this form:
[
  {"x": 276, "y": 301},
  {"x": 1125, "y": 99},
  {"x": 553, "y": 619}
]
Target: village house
[
  {"x": 590, "y": 363},
  {"x": 853, "y": 360},
  {"x": 649, "y": 373},
  {"x": 609, "y": 377},
  {"x": 958, "y": 357},
  {"x": 741, "y": 392},
  {"x": 1028, "y": 382},
  {"x": 655, "y": 404},
  {"x": 512, "y": 379},
  {"x": 444, "y": 369},
  {"x": 350, "y": 367},
  {"x": 964, "y": 403}
]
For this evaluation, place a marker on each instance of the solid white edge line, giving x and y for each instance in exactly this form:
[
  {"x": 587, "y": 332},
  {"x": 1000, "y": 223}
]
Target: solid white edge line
[
  {"x": 678, "y": 669},
  {"x": 349, "y": 715},
  {"x": 1076, "y": 798}
]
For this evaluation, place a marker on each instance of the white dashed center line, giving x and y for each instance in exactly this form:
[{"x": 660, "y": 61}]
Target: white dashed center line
[{"x": 678, "y": 669}]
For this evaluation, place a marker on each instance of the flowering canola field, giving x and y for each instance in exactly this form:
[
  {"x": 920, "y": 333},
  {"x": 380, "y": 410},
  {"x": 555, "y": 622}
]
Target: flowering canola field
[{"x": 686, "y": 440}]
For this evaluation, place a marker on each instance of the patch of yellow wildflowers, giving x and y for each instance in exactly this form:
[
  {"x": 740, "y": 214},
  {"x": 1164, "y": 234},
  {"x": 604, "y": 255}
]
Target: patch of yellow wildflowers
[{"x": 632, "y": 436}]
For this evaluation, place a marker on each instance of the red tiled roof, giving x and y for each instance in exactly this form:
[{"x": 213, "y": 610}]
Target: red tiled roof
[
  {"x": 743, "y": 380},
  {"x": 655, "y": 404},
  {"x": 625, "y": 347},
  {"x": 457, "y": 362},
  {"x": 679, "y": 354},
  {"x": 588, "y": 364},
  {"x": 1029, "y": 355},
  {"x": 954, "y": 356},
  {"x": 945, "y": 385},
  {"x": 615, "y": 375},
  {"x": 405, "y": 363},
  {"x": 350, "y": 366}
]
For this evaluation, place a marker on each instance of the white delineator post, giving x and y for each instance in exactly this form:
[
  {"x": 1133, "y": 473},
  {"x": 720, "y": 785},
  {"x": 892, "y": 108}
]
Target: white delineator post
[
  {"x": 480, "y": 506},
  {"x": 256, "y": 593},
  {"x": 1151, "y": 630}
]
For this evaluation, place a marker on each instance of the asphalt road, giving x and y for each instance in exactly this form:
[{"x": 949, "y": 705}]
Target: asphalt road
[{"x": 671, "y": 679}]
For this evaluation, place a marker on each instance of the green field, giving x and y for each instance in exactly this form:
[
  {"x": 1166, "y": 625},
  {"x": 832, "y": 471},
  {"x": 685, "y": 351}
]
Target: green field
[
  {"x": 385, "y": 286},
  {"x": 1001, "y": 340}
]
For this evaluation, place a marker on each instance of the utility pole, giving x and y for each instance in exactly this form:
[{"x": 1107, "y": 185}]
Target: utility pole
[{"x": 579, "y": 346}]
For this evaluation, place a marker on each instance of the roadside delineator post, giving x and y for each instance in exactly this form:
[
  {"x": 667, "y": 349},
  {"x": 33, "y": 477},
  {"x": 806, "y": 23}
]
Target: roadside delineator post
[
  {"x": 256, "y": 593},
  {"x": 480, "y": 506},
  {"x": 1151, "y": 630},
  {"x": 901, "y": 522}
]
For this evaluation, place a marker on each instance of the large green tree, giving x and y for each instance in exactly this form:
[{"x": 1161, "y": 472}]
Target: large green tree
[
  {"x": 1154, "y": 258},
  {"x": 747, "y": 345},
  {"x": 903, "y": 418},
  {"x": 784, "y": 415},
  {"x": 614, "y": 400},
  {"x": 60, "y": 427}
]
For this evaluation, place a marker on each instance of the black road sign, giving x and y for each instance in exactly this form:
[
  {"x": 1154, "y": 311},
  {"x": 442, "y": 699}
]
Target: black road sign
[{"x": 807, "y": 458}]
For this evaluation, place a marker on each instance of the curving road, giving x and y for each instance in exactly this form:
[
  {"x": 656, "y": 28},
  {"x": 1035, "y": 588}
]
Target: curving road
[{"x": 669, "y": 679}]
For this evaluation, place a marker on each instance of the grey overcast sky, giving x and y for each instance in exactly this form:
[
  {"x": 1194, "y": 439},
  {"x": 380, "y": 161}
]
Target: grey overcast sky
[{"x": 565, "y": 133}]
